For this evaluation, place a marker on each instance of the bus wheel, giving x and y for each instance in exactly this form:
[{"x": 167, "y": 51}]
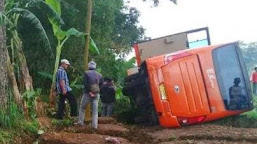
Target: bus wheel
[
  {"x": 131, "y": 77},
  {"x": 153, "y": 117},
  {"x": 136, "y": 82},
  {"x": 127, "y": 91}
]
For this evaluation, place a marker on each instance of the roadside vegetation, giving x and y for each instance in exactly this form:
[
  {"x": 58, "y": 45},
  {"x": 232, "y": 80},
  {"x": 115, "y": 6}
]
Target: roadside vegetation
[{"x": 14, "y": 124}]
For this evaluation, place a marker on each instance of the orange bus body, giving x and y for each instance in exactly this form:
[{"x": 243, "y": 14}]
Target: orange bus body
[
  {"x": 186, "y": 87},
  {"x": 191, "y": 87}
]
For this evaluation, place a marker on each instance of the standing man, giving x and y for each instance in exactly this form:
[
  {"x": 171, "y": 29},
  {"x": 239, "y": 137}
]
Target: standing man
[
  {"x": 92, "y": 84},
  {"x": 64, "y": 90},
  {"x": 107, "y": 97},
  {"x": 254, "y": 80}
]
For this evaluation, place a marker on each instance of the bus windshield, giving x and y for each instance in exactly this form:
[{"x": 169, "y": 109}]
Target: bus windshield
[{"x": 232, "y": 79}]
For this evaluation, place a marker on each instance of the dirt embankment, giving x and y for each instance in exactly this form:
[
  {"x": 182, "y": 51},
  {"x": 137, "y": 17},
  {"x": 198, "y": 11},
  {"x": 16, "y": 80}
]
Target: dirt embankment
[{"x": 110, "y": 131}]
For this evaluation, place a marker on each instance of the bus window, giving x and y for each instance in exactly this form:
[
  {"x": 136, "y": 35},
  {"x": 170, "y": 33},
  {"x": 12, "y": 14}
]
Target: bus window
[
  {"x": 230, "y": 77},
  {"x": 198, "y": 38}
]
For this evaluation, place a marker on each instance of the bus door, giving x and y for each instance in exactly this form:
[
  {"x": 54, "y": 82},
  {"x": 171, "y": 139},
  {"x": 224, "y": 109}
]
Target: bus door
[{"x": 185, "y": 88}]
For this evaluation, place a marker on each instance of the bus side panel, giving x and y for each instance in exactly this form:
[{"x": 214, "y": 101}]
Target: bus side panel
[
  {"x": 215, "y": 100},
  {"x": 195, "y": 90},
  {"x": 185, "y": 87},
  {"x": 166, "y": 119},
  {"x": 137, "y": 53}
]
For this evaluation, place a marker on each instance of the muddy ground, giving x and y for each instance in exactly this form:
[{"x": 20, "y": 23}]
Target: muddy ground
[{"x": 111, "y": 132}]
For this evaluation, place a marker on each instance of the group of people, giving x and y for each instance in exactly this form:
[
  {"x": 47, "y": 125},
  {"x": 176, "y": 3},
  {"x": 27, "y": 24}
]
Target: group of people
[{"x": 95, "y": 87}]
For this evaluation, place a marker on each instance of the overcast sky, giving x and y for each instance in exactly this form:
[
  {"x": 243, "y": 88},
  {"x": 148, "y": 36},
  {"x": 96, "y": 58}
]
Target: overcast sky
[{"x": 228, "y": 20}]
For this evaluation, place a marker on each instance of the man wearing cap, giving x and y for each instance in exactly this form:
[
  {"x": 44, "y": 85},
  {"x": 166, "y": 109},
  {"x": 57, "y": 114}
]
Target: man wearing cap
[
  {"x": 64, "y": 90},
  {"x": 92, "y": 84}
]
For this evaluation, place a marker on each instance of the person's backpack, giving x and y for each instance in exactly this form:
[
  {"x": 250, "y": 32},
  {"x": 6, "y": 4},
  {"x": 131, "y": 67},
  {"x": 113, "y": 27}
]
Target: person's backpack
[{"x": 94, "y": 88}]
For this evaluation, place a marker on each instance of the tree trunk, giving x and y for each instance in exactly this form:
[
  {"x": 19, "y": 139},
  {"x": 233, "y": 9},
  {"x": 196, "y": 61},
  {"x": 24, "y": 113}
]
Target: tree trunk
[
  {"x": 3, "y": 65},
  {"x": 12, "y": 78},
  {"x": 88, "y": 27},
  {"x": 26, "y": 79},
  {"x": 86, "y": 51}
]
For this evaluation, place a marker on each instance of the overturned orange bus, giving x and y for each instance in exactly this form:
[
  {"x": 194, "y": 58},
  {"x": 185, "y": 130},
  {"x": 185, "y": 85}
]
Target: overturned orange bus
[{"x": 191, "y": 86}]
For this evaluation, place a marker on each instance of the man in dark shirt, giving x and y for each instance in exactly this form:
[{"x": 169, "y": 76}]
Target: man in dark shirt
[
  {"x": 92, "y": 83},
  {"x": 107, "y": 97}
]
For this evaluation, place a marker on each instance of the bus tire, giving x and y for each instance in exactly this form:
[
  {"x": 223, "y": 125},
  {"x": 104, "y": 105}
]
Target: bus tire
[
  {"x": 131, "y": 77},
  {"x": 154, "y": 120},
  {"x": 136, "y": 82},
  {"x": 125, "y": 91}
]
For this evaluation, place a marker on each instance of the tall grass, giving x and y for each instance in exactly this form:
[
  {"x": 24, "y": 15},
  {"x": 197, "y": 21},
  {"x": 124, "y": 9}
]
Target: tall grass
[
  {"x": 5, "y": 137},
  {"x": 13, "y": 122}
]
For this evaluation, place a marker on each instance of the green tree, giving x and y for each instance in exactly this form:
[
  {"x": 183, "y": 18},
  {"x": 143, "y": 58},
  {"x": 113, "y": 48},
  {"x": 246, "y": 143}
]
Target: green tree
[
  {"x": 114, "y": 29},
  {"x": 62, "y": 37},
  {"x": 16, "y": 12},
  {"x": 11, "y": 17},
  {"x": 249, "y": 51}
]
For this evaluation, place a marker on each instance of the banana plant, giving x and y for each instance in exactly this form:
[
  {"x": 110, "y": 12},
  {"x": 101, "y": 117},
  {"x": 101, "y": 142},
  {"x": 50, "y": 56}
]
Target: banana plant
[
  {"x": 62, "y": 36},
  {"x": 10, "y": 19}
]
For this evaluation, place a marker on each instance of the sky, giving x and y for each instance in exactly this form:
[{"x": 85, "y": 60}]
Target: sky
[{"x": 228, "y": 20}]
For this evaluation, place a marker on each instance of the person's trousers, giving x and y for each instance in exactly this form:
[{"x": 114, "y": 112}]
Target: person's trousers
[
  {"x": 61, "y": 105},
  {"x": 107, "y": 109},
  {"x": 94, "y": 107},
  {"x": 254, "y": 88}
]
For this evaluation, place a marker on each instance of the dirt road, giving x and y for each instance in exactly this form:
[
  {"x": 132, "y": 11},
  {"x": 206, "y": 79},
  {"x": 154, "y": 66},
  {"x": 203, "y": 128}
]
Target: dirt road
[{"x": 110, "y": 131}]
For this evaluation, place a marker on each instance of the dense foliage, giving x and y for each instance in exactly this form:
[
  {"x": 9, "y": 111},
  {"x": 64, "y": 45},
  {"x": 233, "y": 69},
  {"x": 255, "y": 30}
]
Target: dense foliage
[{"x": 114, "y": 29}]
